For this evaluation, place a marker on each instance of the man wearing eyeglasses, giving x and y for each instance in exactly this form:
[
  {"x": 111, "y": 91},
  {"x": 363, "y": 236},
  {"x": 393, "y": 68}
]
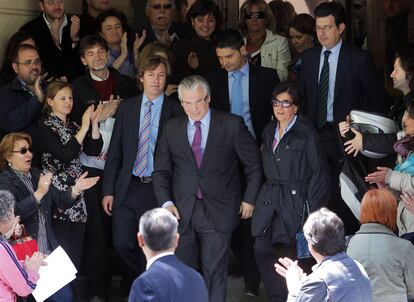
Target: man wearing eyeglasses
[
  {"x": 197, "y": 178},
  {"x": 21, "y": 100},
  {"x": 161, "y": 27},
  {"x": 56, "y": 35},
  {"x": 336, "y": 78}
]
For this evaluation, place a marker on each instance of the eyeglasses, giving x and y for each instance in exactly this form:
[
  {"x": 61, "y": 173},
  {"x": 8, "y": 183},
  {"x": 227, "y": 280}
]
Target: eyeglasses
[
  {"x": 324, "y": 27},
  {"x": 282, "y": 103},
  {"x": 158, "y": 6},
  {"x": 28, "y": 63},
  {"x": 256, "y": 15},
  {"x": 23, "y": 150}
]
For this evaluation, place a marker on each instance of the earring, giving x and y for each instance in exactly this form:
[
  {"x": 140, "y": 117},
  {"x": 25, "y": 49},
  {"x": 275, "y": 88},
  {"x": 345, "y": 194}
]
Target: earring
[{"x": 9, "y": 164}]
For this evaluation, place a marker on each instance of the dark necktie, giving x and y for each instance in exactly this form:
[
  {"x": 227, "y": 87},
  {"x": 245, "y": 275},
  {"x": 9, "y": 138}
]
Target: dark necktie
[
  {"x": 196, "y": 148},
  {"x": 323, "y": 88}
]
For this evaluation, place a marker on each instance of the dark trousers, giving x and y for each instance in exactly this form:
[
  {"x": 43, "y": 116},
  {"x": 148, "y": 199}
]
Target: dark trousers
[
  {"x": 205, "y": 249},
  {"x": 332, "y": 146},
  {"x": 97, "y": 227},
  {"x": 266, "y": 256},
  {"x": 242, "y": 247},
  {"x": 125, "y": 218}
]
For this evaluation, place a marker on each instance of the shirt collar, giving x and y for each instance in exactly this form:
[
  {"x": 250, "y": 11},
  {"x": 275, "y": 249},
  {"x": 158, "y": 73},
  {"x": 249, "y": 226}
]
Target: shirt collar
[
  {"x": 288, "y": 126},
  {"x": 65, "y": 21},
  {"x": 98, "y": 79},
  {"x": 244, "y": 70},
  {"x": 204, "y": 121},
  {"x": 157, "y": 102},
  {"x": 21, "y": 174},
  {"x": 335, "y": 257},
  {"x": 155, "y": 258},
  {"x": 334, "y": 50}
]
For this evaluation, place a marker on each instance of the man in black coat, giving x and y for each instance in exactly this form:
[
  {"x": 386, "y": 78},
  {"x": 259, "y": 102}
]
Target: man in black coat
[
  {"x": 197, "y": 178},
  {"x": 336, "y": 78},
  {"x": 127, "y": 183},
  {"x": 56, "y": 35}
]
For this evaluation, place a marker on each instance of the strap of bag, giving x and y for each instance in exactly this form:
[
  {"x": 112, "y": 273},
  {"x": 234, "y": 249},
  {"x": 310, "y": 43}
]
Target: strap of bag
[{"x": 305, "y": 211}]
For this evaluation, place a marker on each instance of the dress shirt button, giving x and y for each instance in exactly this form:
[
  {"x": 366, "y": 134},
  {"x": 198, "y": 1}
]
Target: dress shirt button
[
  {"x": 294, "y": 192},
  {"x": 267, "y": 202}
]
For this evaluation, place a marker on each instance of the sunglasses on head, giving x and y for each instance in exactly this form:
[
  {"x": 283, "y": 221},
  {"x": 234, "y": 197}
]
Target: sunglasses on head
[
  {"x": 23, "y": 150},
  {"x": 164, "y": 6},
  {"x": 258, "y": 15},
  {"x": 282, "y": 103}
]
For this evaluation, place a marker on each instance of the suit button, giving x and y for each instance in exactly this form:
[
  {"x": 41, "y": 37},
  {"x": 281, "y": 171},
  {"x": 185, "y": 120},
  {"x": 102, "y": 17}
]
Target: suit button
[
  {"x": 287, "y": 148},
  {"x": 278, "y": 159},
  {"x": 294, "y": 192},
  {"x": 267, "y": 202}
]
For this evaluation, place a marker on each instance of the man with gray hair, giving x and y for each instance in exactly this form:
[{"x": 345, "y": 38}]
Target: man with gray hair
[
  {"x": 335, "y": 277},
  {"x": 166, "y": 278},
  {"x": 197, "y": 178}
]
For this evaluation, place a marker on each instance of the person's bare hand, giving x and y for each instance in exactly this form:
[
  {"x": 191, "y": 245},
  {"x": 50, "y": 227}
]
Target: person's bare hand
[
  {"x": 173, "y": 209},
  {"x": 16, "y": 229},
  {"x": 34, "y": 262},
  {"x": 139, "y": 40},
  {"x": 83, "y": 183},
  {"x": 38, "y": 91},
  {"x": 290, "y": 270},
  {"x": 354, "y": 145},
  {"x": 107, "y": 202},
  {"x": 54, "y": 31},
  {"x": 378, "y": 177},
  {"x": 192, "y": 60},
  {"x": 86, "y": 117},
  {"x": 246, "y": 210},
  {"x": 74, "y": 28},
  {"x": 171, "y": 88},
  {"x": 96, "y": 114},
  {"x": 343, "y": 128},
  {"x": 124, "y": 44},
  {"x": 44, "y": 183},
  {"x": 408, "y": 201}
]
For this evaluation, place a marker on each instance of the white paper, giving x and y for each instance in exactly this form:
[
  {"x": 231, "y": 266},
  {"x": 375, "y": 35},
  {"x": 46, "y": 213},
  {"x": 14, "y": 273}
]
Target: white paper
[{"x": 58, "y": 272}]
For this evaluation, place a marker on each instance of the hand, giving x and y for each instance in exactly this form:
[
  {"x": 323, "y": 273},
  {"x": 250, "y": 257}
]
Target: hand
[
  {"x": 54, "y": 31},
  {"x": 246, "y": 210},
  {"x": 109, "y": 108},
  {"x": 344, "y": 127},
  {"x": 107, "y": 202},
  {"x": 44, "y": 183},
  {"x": 139, "y": 40},
  {"x": 124, "y": 44},
  {"x": 96, "y": 114},
  {"x": 74, "y": 28},
  {"x": 86, "y": 117},
  {"x": 171, "y": 88},
  {"x": 408, "y": 201},
  {"x": 83, "y": 183},
  {"x": 378, "y": 177},
  {"x": 354, "y": 145},
  {"x": 38, "y": 91},
  {"x": 173, "y": 209},
  {"x": 35, "y": 262},
  {"x": 292, "y": 272},
  {"x": 192, "y": 60},
  {"x": 16, "y": 229}
]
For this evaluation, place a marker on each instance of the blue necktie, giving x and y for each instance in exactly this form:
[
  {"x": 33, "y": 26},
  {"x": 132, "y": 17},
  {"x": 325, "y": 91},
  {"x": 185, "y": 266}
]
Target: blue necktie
[
  {"x": 141, "y": 161},
  {"x": 237, "y": 94}
]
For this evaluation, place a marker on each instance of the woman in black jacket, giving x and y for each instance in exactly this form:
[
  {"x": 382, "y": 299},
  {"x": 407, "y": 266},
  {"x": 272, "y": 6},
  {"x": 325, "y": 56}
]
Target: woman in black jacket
[{"x": 296, "y": 172}]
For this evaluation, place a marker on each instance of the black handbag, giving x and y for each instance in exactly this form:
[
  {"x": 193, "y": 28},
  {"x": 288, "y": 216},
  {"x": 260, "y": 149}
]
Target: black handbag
[{"x": 302, "y": 250}]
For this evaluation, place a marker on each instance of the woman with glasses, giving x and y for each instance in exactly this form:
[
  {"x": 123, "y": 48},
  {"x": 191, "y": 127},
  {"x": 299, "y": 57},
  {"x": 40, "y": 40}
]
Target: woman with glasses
[
  {"x": 196, "y": 54},
  {"x": 35, "y": 197},
  {"x": 296, "y": 173},
  {"x": 263, "y": 46}
]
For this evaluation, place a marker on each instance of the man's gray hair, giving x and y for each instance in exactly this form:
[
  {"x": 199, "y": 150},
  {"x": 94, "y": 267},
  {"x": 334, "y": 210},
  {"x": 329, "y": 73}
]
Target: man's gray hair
[
  {"x": 159, "y": 229},
  {"x": 147, "y": 4},
  {"x": 192, "y": 83},
  {"x": 6, "y": 206},
  {"x": 324, "y": 230}
]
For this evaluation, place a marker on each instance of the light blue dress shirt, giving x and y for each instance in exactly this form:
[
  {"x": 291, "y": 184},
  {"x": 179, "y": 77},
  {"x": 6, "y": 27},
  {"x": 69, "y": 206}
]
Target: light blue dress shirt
[
  {"x": 287, "y": 128},
  {"x": 155, "y": 124},
  {"x": 246, "y": 104},
  {"x": 333, "y": 64},
  {"x": 205, "y": 125}
]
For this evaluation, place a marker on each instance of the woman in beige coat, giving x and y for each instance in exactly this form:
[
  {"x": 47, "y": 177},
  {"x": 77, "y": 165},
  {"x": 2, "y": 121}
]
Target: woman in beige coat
[{"x": 387, "y": 259}]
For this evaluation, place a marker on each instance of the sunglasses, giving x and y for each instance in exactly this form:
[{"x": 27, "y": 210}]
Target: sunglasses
[
  {"x": 164, "y": 6},
  {"x": 23, "y": 150},
  {"x": 258, "y": 15},
  {"x": 282, "y": 103}
]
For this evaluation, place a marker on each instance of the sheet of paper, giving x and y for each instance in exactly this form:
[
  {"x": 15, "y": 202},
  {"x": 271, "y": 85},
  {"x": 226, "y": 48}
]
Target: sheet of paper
[{"x": 58, "y": 272}]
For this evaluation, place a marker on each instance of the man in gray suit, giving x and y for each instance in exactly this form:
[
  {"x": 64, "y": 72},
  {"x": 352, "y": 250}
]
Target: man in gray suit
[{"x": 197, "y": 178}]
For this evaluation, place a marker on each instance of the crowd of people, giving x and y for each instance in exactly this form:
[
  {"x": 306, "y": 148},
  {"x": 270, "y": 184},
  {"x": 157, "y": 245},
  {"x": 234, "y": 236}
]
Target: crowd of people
[{"x": 234, "y": 133}]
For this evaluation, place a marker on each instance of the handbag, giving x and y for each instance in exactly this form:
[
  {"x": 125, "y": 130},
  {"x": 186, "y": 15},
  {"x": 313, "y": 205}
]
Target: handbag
[
  {"x": 302, "y": 250},
  {"x": 24, "y": 246}
]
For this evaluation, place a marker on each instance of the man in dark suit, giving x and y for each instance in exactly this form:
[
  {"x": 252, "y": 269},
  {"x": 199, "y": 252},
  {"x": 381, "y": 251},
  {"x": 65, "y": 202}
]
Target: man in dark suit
[
  {"x": 127, "y": 183},
  {"x": 166, "y": 279},
  {"x": 253, "y": 105},
  {"x": 56, "y": 35},
  {"x": 197, "y": 177},
  {"x": 336, "y": 78}
]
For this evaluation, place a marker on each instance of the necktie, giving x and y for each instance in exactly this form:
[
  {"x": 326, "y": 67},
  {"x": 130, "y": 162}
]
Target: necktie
[
  {"x": 323, "y": 88},
  {"x": 141, "y": 161},
  {"x": 274, "y": 144},
  {"x": 237, "y": 94},
  {"x": 196, "y": 148}
]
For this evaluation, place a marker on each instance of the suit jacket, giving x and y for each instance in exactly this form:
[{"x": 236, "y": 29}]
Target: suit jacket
[
  {"x": 169, "y": 280},
  {"x": 177, "y": 178},
  {"x": 357, "y": 84},
  {"x": 261, "y": 83},
  {"x": 175, "y": 28},
  {"x": 57, "y": 62},
  {"x": 124, "y": 143}
]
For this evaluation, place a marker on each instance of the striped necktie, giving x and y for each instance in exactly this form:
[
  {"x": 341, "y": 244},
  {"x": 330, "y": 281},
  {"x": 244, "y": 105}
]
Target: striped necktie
[
  {"x": 323, "y": 89},
  {"x": 141, "y": 161}
]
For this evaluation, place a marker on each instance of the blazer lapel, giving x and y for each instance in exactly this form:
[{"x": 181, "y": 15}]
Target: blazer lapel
[
  {"x": 164, "y": 116},
  {"x": 253, "y": 82},
  {"x": 183, "y": 139},
  {"x": 135, "y": 116},
  {"x": 212, "y": 139},
  {"x": 341, "y": 69}
]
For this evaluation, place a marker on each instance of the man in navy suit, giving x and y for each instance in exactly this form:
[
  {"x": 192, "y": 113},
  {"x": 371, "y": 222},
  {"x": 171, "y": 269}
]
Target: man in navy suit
[
  {"x": 336, "y": 78},
  {"x": 166, "y": 279}
]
